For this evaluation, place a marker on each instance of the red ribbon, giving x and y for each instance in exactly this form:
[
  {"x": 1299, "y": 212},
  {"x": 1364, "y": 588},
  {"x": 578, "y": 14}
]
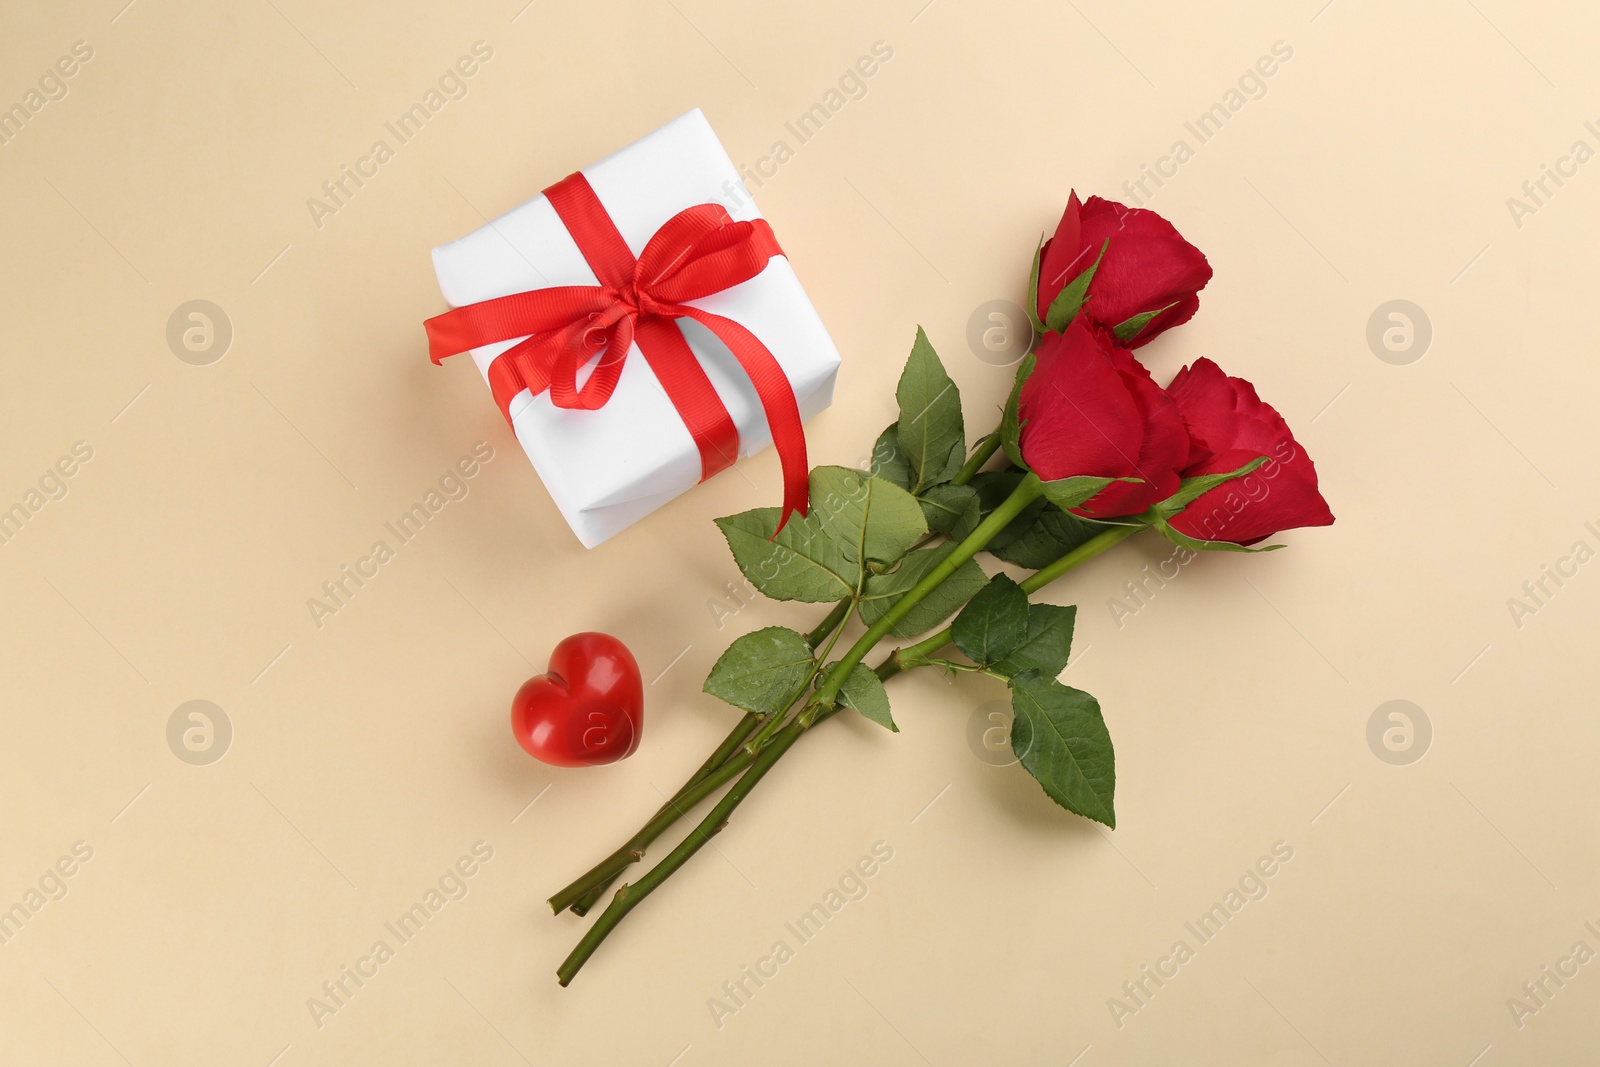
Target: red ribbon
[{"x": 697, "y": 252}]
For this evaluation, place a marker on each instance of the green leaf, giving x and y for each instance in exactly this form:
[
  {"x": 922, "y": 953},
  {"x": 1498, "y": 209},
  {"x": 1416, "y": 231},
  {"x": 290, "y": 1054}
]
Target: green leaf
[
  {"x": 802, "y": 562},
  {"x": 1048, "y": 646},
  {"x": 870, "y": 517},
  {"x": 1191, "y": 489},
  {"x": 888, "y": 462},
  {"x": 762, "y": 671},
  {"x": 930, "y": 427},
  {"x": 820, "y": 557},
  {"x": 952, "y": 465},
  {"x": 864, "y": 691},
  {"x": 1194, "y": 544},
  {"x": 993, "y": 623},
  {"x": 1052, "y": 535},
  {"x": 1060, "y": 738},
  {"x": 882, "y": 590},
  {"x": 1033, "y": 290},
  {"x": 1010, "y": 421},
  {"x": 1068, "y": 493},
  {"x": 1070, "y": 299},
  {"x": 1128, "y": 329},
  {"x": 952, "y": 509}
]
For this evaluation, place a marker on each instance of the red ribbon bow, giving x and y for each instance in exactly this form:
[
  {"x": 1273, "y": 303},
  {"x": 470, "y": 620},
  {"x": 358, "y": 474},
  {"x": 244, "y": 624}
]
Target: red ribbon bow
[{"x": 697, "y": 252}]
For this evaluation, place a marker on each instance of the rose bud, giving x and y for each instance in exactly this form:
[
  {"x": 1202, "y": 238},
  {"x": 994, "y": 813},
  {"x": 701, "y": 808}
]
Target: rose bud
[
  {"x": 1230, "y": 426},
  {"x": 1091, "y": 408},
  {"x": 1146, "y": 281}
]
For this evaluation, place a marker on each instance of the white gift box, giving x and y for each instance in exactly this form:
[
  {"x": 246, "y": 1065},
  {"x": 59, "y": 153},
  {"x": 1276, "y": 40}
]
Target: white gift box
[{"x": 608, "y": 468}]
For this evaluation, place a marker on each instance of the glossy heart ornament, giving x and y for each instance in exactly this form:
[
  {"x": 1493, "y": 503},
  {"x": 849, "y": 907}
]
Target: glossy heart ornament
[{"x": 587, "y": 710}]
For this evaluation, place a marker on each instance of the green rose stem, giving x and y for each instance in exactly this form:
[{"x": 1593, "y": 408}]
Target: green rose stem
[
  {"x": 835, "y": 619},
  {"x": 581, "y": 894},
  {"x": 916, "y": 655},
  {"x": 633, "y": 892},
  {"x": 979, "y": 457},
  {"x": 1082, "y": 554},
  {"x": 1027, "y": 491},
  {"x": 821, "y": 705}
]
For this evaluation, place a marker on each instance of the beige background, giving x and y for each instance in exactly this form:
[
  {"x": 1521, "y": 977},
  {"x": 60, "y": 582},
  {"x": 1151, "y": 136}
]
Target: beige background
[{"x": 368, "y": 754}]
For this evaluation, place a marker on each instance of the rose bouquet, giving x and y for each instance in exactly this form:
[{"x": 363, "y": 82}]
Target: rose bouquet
[{"x": 1094, "y": 452}]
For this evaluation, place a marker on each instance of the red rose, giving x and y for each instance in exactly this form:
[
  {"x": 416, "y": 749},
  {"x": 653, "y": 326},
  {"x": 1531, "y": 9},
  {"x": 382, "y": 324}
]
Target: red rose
[
  {"x": 1091, "y": 408},
  {"x": 1147, "y": 266},
  {"x": 1229, "y": 426}
]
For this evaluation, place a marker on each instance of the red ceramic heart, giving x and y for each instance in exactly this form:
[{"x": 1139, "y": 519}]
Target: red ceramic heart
[{"x": 587, "y": 710}]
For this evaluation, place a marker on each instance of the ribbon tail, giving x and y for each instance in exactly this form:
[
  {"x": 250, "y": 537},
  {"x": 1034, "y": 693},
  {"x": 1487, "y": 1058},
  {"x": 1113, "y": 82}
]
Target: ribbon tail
[
  {"x": 691, "y": 393},
  {"x": 525, "y": 365},
  {"x": 777, "y": 402},
  {"x": 505, "y": 383}
]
